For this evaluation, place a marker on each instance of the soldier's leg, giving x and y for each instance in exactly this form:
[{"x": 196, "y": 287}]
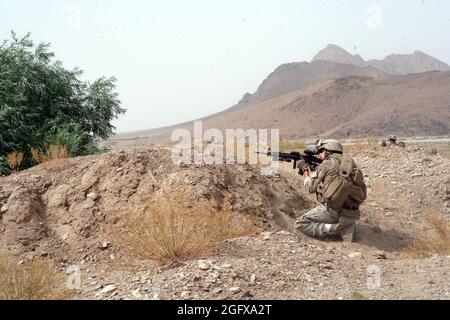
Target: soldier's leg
[
  {"x": 347, "y": 218},
  {"x": 346, "y": 225},
  {"x": 316, "y": 223}
]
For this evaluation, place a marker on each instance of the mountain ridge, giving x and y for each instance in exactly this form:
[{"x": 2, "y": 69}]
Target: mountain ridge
[
  {"x": 394, "y": 64},
  {"x": 357, "y": 100},
  {"x": 349, "y": 107}
]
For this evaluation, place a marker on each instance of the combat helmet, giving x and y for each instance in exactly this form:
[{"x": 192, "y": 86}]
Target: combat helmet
[
  {"x": 393, "y": 138},
  {"x": 330, "y": 145}
]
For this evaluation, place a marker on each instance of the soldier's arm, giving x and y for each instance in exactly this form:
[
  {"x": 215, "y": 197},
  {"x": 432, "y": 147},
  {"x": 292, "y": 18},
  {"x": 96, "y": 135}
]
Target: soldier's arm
[{"x": 312, "y": 182}]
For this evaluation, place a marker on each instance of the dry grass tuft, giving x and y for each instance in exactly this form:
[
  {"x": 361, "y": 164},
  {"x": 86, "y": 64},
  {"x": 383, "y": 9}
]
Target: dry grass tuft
[
  {"x": 291, "y": 145},
  {"x": 53, "y": 156},
  {"x": 51, "y": 152},
  {"x": 358, "y": 296},
  {"x": 444, "y": 151},
  {"x": 38, "y": 281},
  {"x": 373, "y": 142},
  {"x": 357, "y": 147},
  {"x": 14, "y": 160},
  {"x": 176, "y": 227},
  {"x": 434, "y": 241},
  {"x": 360, "y": 145}
]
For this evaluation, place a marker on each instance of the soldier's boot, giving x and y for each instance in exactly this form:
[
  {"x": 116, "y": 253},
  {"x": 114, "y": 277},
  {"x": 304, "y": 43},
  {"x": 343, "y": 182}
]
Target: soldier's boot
[
  {"x": 349, "y": 233},
  {"x": 345, "y": 228}
]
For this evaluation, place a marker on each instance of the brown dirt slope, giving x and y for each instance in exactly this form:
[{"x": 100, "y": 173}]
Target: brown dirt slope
[
  {"x": 63, "y": 210},
  {"x": 355, "y": 106}
]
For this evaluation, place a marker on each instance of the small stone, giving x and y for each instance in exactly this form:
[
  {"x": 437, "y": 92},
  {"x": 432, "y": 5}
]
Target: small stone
[
  {"x": 227, "y": 266},
  {"x": 217, "y": 290},
  {"x": 107, "y": 289},
  {"x": 247, "y": 294},
  {"x": 173, "y": 265},
  {"x": 185, "y": 294},
  {"x": 105, "y": 245},
  {"x": 92, "y": 195},
  {"x": 252, "y": 279},
  {"x": 266, "y": 236},
  {"x": 235, "y": 290},
  {"x": 355, "y": 255},
  {"x": 376, "y": 229},
  {"x": 4, "y": 208},
  {"x": 306, "y": 264},
  {"x": 136, "y": 294},
  {"x": 381, "y": 255},
  {"x": 203, "y": 265}
]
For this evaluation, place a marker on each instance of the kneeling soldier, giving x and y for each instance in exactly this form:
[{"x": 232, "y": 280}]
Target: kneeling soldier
[{"x": 340, "y": 189}]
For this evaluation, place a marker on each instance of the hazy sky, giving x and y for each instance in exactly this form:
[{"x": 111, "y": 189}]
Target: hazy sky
[{"x": 180, "y": 60}]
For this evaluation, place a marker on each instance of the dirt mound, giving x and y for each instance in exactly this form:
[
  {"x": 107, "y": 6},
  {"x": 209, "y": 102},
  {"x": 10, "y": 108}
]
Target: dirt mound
[
  {"x": 64, "y": 210},
  {"x": 403, "y": 185}
]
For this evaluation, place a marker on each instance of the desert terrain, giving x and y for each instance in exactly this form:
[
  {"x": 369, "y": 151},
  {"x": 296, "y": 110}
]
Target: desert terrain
[
  {"x": 114, "y": 216},
  {"x": 64, "y": 212}
]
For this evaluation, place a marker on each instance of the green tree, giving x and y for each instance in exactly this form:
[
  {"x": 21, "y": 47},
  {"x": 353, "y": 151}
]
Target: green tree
[{"x": 41, "y": 103}]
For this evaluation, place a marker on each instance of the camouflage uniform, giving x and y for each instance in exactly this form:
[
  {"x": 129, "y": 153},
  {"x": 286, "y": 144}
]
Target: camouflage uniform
[{"x": 314, "y": 222}]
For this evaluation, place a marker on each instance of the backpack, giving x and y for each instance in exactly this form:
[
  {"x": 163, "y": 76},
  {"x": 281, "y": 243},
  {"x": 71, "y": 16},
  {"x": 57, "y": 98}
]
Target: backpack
[{"x": 346, "y": 188}]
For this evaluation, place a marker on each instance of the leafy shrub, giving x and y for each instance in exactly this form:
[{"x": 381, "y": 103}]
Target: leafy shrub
[{"x": 43, "y": 103}]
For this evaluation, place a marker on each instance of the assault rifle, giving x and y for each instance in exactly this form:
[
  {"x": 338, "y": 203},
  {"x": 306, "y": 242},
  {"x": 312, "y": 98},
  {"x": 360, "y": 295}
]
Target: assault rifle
[{"x": 309, "y": 157}]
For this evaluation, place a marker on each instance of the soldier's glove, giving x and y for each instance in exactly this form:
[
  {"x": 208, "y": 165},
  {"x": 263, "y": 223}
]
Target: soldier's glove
[{"x": 303, "y": 166}]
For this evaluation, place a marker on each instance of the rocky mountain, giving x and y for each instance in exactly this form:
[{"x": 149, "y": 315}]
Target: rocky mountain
[
  {"x": 334, "y": 53},
  {"x": 355, "y": 106},
  {"x": 410, "y": 105},
  {"x": 409, "y": 63},
  {"x": 298, "y": 75},
  {"x": 395, "y": 64},
  {"x": 340, "y": 95}
]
